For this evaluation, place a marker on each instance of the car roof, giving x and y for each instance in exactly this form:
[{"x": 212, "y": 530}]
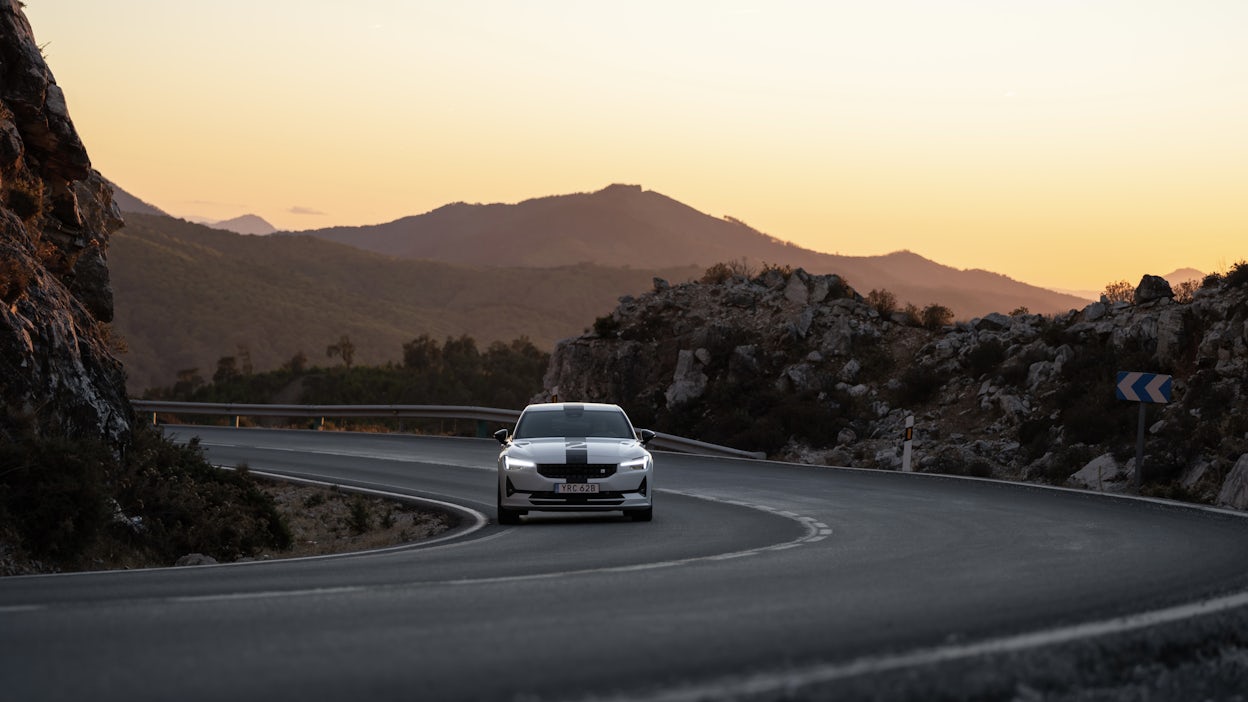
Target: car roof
[{"x": 558, "y": 406}]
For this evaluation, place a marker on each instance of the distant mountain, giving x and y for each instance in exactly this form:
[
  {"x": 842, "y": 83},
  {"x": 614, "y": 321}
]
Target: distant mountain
[
  {"x": 129, "y": 203},
  {"x": 186, "y": 295},
  {"x": 246, "y": 224},
  {"x": 624, "y": 225},
  {"x": 1183, "y": 275}
]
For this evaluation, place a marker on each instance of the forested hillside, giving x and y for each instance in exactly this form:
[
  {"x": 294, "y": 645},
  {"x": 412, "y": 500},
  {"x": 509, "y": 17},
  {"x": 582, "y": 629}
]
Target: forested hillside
[{"x": 187, "y": 295}]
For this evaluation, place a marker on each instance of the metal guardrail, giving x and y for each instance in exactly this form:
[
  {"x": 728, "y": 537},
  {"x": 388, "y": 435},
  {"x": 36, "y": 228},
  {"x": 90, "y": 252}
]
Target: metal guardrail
[{"x": 479, "y": 414}]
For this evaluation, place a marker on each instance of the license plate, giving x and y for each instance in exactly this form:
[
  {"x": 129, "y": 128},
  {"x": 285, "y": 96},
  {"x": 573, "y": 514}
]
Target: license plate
[{"x": 576, "y": 488}]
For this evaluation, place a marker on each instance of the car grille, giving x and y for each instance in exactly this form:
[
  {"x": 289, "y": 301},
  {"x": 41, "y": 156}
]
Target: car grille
[{"x": 583, "y": 471}]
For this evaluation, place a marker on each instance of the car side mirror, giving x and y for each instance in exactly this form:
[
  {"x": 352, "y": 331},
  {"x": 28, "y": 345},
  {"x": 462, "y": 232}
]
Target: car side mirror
[
  {"x": 501, "y": 435},
  {"x": 645, "y": 435}
]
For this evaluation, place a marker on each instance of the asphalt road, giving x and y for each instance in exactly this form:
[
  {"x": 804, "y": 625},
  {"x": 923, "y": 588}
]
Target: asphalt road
[{"x": 752, "y": 576}]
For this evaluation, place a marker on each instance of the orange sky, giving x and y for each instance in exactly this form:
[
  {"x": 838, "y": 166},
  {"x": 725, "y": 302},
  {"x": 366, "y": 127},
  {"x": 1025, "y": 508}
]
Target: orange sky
[{"x": 1064, "y": 143}]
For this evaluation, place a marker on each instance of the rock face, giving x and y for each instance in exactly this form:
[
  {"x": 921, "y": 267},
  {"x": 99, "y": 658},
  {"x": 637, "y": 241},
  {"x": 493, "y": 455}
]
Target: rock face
[
  {"x": 802, "y": 367},
  {"x": 57, "y": 374}
]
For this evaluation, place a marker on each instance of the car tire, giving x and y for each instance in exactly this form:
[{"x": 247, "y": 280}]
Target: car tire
[
  {"x": 508, "y": 516},
  {"x": 642, "y": 515}
]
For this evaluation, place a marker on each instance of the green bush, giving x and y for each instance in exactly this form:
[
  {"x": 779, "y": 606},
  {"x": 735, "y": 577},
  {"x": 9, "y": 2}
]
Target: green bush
[
  {"x": 1237, "y": 276},
  {"x": 360, "y": 517},
  {"x": 883, "y": 301},
  {"x": 73, "y": 503},
  {"x": 53, "y": 494},
  {"x": 918, "y": 385},
  {"x": 935, "y": 316},
  {"x": 607, "y": 326},
  {"x": 985, "y": 357},
  {"x": 723, "y": 272}
]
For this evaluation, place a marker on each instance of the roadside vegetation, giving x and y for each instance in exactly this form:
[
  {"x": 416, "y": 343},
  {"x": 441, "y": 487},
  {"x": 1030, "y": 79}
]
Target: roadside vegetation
[
  {"x": 451, "y": 372},
  {"x": 75, "y": 504}
]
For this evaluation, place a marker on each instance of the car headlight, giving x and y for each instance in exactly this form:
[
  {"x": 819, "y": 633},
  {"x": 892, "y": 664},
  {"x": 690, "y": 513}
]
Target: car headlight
[
  {"x": 510, "y": 463},
  {"x": 634, "y": 464}
]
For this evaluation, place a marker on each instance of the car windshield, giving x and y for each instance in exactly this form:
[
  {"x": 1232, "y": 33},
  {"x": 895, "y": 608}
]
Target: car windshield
[{"x": 574, "y": 421}]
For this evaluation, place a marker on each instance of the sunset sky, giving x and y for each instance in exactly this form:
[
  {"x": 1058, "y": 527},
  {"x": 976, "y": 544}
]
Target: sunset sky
[{"x": 1062, "y": 143}]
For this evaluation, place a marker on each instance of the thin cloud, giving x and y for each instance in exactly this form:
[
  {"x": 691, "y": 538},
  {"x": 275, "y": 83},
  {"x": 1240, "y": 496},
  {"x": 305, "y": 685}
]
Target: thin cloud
[{"x": 300, "y": 210}]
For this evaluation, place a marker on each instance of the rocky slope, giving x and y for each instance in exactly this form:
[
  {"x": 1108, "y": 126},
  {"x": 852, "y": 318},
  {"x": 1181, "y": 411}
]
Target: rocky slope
[
  {"x": 57, "y": 373},
  {"x": 801, "y": 366}
]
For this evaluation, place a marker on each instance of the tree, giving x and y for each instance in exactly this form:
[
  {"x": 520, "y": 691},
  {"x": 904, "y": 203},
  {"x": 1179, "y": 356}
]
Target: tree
[
  {"x": 422, "y": 354},
  {"x": 1118, "y": 291},
  {"x": 227, "y": 370},
  {"x": 460, "y": 358},
  {"x": 188, "y": 381},
  {"x": 297, "y": 363},
  {"x": 343, "y": 348},
  {"x": 244, "y": 359}
]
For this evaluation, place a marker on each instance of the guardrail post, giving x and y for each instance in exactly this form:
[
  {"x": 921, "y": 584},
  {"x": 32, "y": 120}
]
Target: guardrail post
[{"x": 907, "y": 441}]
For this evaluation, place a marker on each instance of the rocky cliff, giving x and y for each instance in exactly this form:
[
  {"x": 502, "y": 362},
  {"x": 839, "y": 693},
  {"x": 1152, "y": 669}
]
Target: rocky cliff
[
  {"x": 57, "y": 374},
  {"x": 804, "y": 368}
]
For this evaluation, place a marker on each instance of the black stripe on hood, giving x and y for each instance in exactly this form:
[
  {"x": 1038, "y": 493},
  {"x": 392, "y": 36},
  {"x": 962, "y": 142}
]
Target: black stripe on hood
[{"x": 577, "y": 452}]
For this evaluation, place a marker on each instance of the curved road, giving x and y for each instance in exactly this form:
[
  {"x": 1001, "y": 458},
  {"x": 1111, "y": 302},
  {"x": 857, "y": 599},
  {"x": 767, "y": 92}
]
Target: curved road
[{"x": 753, "y": 576}]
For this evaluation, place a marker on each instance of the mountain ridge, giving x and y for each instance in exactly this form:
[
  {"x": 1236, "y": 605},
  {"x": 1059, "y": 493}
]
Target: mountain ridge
[{"x": 627, "y": 225}]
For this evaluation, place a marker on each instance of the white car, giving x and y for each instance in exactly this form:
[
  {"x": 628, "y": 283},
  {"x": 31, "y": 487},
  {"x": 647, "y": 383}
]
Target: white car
[{"x": 574, "y": 457}]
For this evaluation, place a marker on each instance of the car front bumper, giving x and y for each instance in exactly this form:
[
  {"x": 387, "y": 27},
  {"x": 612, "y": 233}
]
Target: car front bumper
[{"x": 527, "y": 489}]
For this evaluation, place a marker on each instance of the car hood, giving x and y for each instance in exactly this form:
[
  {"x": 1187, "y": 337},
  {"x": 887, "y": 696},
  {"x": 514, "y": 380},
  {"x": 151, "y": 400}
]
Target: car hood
[{"x": 576, "y": 450}]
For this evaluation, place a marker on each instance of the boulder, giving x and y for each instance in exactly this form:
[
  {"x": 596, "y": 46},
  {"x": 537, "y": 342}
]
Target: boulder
[
  {"x": 194, "y": 559},
  {"x": 797, "y": 291},
  {"x": 1094, "y": 311},
  {"x": 1099, "y": 471},
  {"x": 992, "y": 322},
  {"x": 688, "y": 383},
  {"x": 1234, "y": 493},
  {"x": 1152, "y": 288}
]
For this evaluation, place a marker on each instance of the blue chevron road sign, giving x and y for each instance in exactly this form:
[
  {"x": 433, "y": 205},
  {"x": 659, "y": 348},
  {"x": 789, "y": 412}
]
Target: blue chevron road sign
[{"x": 1144, "y": 387}]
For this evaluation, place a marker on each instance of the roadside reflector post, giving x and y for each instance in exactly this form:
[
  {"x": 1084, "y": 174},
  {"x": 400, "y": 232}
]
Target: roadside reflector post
[
  {"x": 906, "y": 444},
  {"x": 1142, "y": 388}
]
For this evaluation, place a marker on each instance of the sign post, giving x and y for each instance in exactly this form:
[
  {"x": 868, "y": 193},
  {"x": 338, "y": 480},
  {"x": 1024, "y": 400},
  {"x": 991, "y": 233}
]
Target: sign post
[{"x": 1143, "y": 388}]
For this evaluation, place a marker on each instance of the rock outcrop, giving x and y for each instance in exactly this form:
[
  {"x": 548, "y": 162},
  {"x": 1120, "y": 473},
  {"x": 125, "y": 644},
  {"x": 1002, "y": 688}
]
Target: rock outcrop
[
  {"x": 57, "y": 374},
  {"x": 802, "y": 367}
]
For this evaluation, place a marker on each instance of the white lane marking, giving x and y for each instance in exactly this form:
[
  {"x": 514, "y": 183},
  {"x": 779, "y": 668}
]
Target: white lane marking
[
  {"x": 395, "y": 456},
  {"x": 814, "y": 532},
  {"x": 22, "y": 608},
  {"x": 791, "y": 682},
  {"x": 233, "y": 596}
]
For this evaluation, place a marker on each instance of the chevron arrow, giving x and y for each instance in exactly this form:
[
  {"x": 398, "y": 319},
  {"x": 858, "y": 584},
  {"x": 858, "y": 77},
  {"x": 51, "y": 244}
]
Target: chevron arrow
[{"x": 1144, "y": 387}]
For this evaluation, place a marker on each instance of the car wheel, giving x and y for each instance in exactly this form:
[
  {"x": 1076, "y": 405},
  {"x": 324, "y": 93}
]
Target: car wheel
[
  {"x": 642, "y": 515},
  {"x": 508, "y": 516}
]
